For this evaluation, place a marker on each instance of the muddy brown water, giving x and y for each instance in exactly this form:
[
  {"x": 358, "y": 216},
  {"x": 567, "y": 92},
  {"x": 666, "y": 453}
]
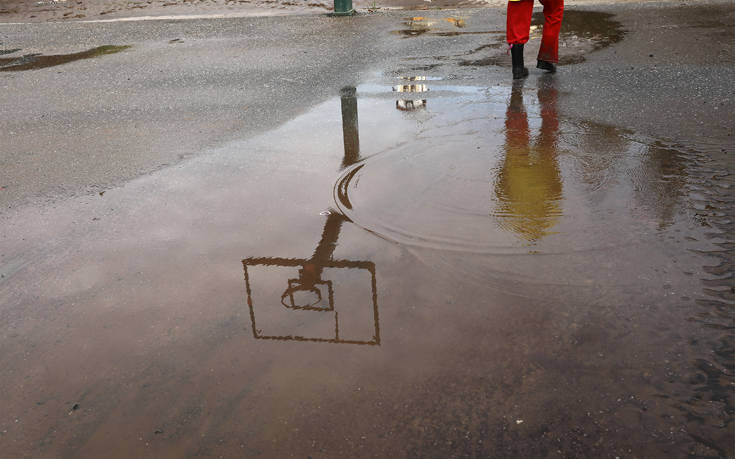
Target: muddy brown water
[
  {"x": 38, "y": 61},
  {"x": 475, "y": 276},
  {"x": 416, "y": 267}
]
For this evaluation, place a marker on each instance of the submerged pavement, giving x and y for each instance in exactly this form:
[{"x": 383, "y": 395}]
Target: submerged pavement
[{"x": 357, "y": 237}]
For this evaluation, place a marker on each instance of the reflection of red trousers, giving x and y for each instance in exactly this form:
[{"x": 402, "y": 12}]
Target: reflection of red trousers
[
  {"x": 519, "y": 26},
  {"x": 517, "y": 133}
]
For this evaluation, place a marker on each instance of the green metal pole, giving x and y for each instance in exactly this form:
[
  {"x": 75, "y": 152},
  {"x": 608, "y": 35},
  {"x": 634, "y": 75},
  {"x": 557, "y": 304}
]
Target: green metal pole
[{"x": 343, "y": 8}]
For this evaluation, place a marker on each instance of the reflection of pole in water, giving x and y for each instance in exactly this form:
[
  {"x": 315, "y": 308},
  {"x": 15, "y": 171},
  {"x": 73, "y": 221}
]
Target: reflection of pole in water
[
  {"x": 312, "y": 269},
  {"x": 310, "y": 291},
  {"x": 311, "y": 272},
  {"x": 350, "y": 129}
]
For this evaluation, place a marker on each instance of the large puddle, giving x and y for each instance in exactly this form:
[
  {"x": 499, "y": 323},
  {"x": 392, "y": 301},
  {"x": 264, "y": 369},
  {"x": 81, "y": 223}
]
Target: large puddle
[
  {"x": 414, "y": 267},
  {"x": 562, "y": 247}
]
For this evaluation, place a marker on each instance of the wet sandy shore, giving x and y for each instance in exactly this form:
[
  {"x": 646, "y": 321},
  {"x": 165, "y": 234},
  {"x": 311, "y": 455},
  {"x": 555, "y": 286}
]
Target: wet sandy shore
[{"x": 422, "y": 259}]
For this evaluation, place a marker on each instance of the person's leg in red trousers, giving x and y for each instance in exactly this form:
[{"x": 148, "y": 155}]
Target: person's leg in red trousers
[
  {"x": 519, "y": 21},
  {"x": 517, "y": 30},
  {"x": 553, "y": 14}
]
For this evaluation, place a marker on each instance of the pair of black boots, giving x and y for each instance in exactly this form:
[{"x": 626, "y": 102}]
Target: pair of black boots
[{"x": 519, "y": 70}]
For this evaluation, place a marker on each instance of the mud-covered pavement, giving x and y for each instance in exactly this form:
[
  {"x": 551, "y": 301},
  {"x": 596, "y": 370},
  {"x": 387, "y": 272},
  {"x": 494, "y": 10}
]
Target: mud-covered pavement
[{"x": 310, "y": 236}]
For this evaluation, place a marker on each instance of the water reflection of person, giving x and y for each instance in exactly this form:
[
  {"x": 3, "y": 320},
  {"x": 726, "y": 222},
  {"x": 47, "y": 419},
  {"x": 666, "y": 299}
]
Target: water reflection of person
[{"x": 529, "y": 184}]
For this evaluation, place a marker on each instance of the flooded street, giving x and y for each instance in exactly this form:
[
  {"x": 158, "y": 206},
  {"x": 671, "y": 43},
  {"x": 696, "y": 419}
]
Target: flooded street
[{"x": 430, "y": 261}]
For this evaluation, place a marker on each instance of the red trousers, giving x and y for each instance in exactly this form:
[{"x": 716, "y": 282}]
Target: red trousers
[{"x": 519, "y": 26}]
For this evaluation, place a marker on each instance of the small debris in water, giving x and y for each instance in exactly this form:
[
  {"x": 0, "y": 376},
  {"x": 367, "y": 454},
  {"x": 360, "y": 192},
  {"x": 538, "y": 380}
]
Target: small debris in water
[
  {"x": 74, "y": 408},
  {"x": 519, "y": 421}
]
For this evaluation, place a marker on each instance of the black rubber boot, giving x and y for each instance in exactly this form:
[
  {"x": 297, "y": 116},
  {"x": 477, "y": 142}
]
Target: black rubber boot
[
  {"x": 519, "y": 71},
  {"x": 546, "y": 65}
]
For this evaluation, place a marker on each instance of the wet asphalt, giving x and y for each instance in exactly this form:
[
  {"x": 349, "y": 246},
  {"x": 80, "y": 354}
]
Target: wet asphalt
[{"x": 460, "y": 266}]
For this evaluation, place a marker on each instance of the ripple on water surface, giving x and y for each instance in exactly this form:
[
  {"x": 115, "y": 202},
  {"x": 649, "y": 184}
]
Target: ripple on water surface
[{"x": 500, "y": 172}]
